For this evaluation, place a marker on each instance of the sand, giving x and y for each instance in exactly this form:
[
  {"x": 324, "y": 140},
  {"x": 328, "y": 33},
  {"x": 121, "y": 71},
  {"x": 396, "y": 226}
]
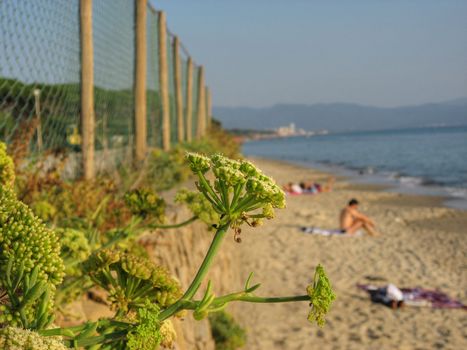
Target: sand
[{"x": 422, "y": 244}]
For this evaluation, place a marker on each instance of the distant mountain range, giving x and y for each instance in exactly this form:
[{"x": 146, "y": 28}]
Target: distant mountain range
[{"x": 344, "y": 116}]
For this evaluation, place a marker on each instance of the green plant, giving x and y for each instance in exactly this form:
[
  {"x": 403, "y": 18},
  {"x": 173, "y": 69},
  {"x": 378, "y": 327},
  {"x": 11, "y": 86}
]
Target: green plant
[
  {"x": 240, "y": 193},
  {"x": 12, "y": 338},
  {"x": 227, "y": 333},
  {"x": 144, "y": 202},
  {"x": 144, "y": 296},
  {"x": 131, "y": 281},
  {"x": 30, "y": 264},
  {"x": 165, "y": 169},
  {"x": 199, "y": 206},
  {"x": 75, "y": 248},
  {"x": 7, "y": 168}
]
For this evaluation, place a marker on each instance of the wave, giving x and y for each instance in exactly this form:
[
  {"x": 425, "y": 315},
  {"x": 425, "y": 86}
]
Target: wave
[
  {"x": 399, "y": 179},
  {"x": 457, "y": 192}
]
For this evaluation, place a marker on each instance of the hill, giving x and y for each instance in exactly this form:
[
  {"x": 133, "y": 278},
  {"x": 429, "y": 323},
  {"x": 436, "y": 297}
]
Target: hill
[{"x": 343, "y": 116}]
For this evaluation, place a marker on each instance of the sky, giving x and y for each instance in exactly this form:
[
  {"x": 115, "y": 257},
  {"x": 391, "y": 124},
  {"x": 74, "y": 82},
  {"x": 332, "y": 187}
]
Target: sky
[{"x": 375, "y": 52}]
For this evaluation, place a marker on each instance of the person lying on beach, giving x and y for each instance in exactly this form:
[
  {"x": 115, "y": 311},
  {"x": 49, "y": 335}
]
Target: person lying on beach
[
  {"x": 293, "y": 188},
  {"x": 351, "y": 220},
  {"x": 309, "y": 187},
  {"x": 389, "y": 295},
  {"x": 395, "y": 297}
]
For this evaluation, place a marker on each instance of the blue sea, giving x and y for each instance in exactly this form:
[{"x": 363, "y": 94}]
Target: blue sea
[{"x": 430, "y": 161}]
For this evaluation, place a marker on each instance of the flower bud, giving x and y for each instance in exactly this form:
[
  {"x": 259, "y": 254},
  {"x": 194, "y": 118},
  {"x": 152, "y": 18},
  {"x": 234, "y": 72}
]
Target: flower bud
[{"x": 198, "y": 162}]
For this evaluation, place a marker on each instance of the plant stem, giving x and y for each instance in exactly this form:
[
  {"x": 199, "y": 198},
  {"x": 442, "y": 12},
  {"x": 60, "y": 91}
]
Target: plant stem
[
  {"x": 212, "y": 251},
  {"x": 269, "y": 300},
  {"x": 97, "y": 339},
  {"x": 225, "y": 196},
  {"x": 245, "y": 203},
  {"x": 246, "y": 297},
  {"x": 181, "y": 224},
  {"x": 202, "y": 271},
  {"x": 237, "y": 191},
  {"x": 88, "y": 341},
  {"x": 208, "y": 187}
]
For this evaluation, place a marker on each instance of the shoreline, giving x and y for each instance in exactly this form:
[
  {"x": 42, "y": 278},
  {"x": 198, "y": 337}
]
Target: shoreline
[
  {"x": 423, "y": 244},
  {"x": 379, "y": 183}
]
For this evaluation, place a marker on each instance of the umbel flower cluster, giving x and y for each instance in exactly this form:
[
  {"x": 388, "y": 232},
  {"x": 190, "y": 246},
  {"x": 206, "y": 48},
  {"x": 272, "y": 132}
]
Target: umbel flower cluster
[
  {"x": 143, "y": 202},
  {"x": 321, "y": 296},
  {"x": 240, "y": 193},
  {"x": 199, "y": 206},
  {"x": 12, "y": 338},
  {"x": 131, "y": 280},
  {"x": 7, "y": 168},
  {"x": 29, "y": 260},
  {"x": 150, "y": 333}
]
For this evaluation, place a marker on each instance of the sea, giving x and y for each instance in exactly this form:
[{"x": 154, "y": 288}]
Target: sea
[{"x": 427, "y": 161}]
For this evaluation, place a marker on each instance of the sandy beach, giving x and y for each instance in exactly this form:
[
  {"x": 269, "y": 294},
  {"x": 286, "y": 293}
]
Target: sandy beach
[{"x": 422, "y": 244}]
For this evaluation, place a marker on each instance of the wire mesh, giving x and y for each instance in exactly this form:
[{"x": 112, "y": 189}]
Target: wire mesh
[
  {"x": 184, "y": 66},
  {"x": 195, "y": 101},
  {"x": 40, "y": 67},
  {"x": 154, "y": 107},
  {"x": 39, "y": 74},
  {"x": 114, "y": 55},
  {"x": 173, "y": 111}
]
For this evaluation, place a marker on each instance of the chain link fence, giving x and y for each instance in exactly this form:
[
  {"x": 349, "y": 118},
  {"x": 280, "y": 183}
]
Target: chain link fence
[
  {"x": 39, "y": 74},
  {"x": 40, "y": 77},
  {"x": 154, "y": 106}
]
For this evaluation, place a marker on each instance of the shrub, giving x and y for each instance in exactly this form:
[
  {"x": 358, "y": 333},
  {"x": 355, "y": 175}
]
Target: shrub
[
  {"x": 7, "y": 168},
  {"x": 227, "y": 333}
]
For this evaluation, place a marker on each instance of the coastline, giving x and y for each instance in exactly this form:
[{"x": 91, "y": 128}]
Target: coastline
[
  {"x": 423, "y": 244},
  {"x": 423, "y": 161},
  {"x": 380, "y": 182}
]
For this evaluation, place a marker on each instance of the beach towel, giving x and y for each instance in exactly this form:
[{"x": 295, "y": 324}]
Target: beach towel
[
  {"x": 327, "y": 232},
  {"x": 320, "y": 231},
  {"x": 415, "y": 297}
]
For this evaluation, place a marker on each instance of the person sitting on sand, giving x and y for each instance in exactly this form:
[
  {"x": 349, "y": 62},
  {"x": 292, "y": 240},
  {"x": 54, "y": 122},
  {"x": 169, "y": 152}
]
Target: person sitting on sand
[{"x": 351, "y": 220}]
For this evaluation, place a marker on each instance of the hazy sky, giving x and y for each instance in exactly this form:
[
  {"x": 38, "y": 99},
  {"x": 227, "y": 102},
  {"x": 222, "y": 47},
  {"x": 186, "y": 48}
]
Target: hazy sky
[{"x": 383, "y": 53}]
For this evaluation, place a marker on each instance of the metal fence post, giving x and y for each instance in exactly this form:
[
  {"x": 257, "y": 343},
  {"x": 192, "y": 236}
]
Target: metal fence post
[
  {"x": 201, "y": 112},
  {"x": 164, "y": 82},
  {"x": 87, "y": 89},
  {"x": 178, "y": 90},
  {"x": 189, "y": 100},
  {"x": 140, "y": 81}
]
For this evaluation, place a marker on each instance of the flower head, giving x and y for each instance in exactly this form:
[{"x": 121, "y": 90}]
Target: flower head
[
  {"x": 12, "y": 338},
  {"x": 198, "y": 162},
  {"x": 229, "y": 175},
  {"x": 321, "y": 296},
  {"x": 241, "y": 192},
  {"x": 27, "y": 245},
  {"x": 131, "y": 270},
  {"x": 249, "y": 169},
  {"x": 144, "y": 202},
  {"x": 265, "y": 189},
  {"x": 168, "y": 333},
  {"x": 147, "y": 334}
]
